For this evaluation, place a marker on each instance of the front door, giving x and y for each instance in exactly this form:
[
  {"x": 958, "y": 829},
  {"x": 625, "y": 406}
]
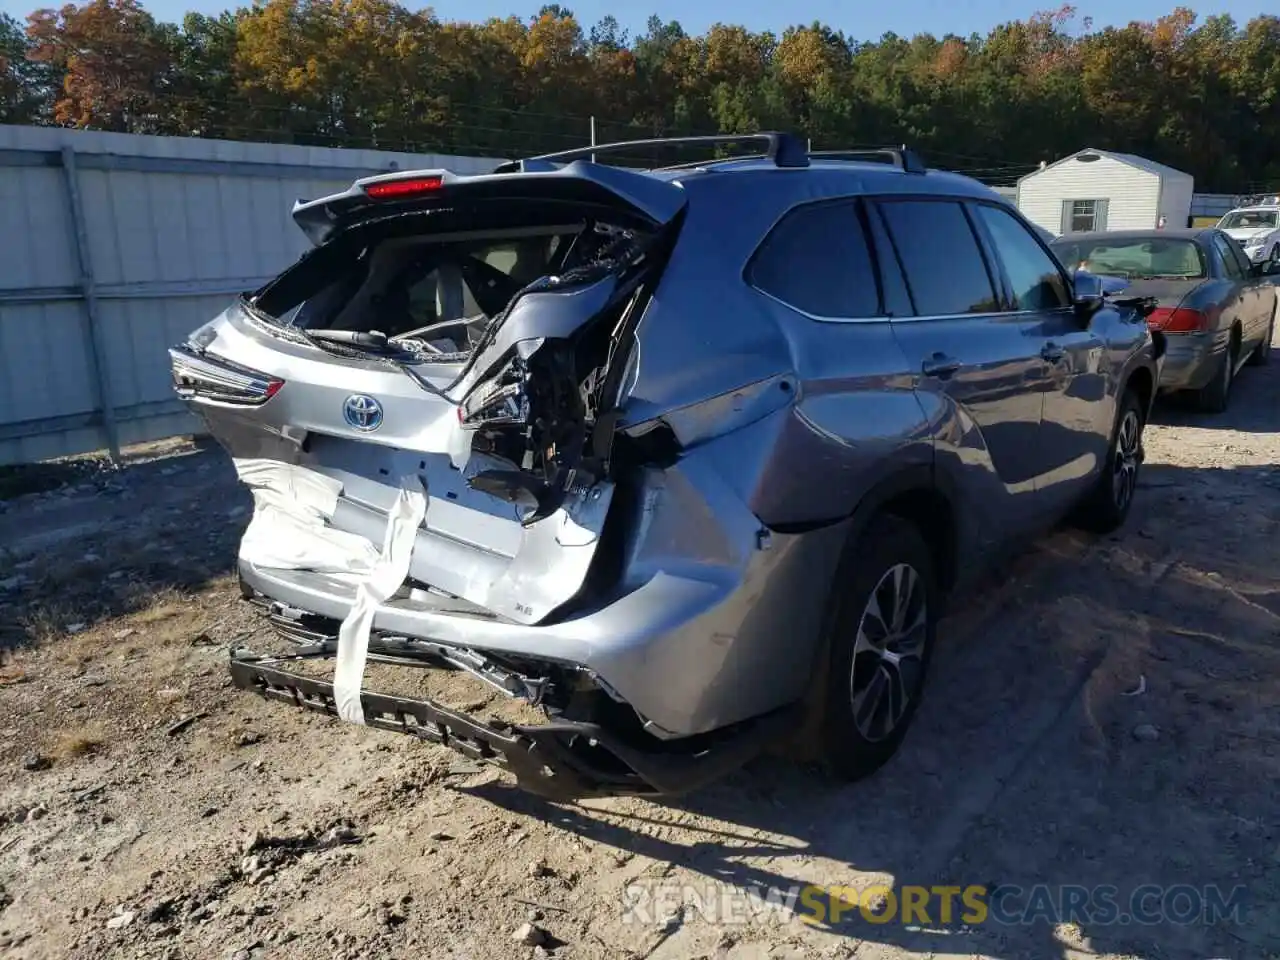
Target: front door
[{"x": 1077, "y": 412}]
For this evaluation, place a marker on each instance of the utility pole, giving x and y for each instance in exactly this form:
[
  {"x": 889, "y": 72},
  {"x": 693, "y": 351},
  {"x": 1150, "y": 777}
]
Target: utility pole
[{"x": 593, "y": 135}]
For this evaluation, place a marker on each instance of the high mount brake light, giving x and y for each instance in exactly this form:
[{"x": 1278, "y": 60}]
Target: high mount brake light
[{"x": 403, "y": 189}]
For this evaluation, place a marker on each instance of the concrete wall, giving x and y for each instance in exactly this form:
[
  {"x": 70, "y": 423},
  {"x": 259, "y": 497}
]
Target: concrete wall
[{"x": 113, "y": 247}]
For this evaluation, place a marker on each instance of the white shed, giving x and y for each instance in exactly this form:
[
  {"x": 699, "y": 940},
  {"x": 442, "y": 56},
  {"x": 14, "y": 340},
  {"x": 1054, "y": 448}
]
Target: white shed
[{"x": 1103, "y": 190}]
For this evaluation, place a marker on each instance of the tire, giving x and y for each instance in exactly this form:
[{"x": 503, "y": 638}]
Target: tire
[
  {"x": 1106, "y": 508},
  {"x": 1216, "y": 395},
  {"x": 860, "y": 730}
]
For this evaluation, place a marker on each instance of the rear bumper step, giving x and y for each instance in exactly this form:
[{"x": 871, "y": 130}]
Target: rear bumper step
[{"x": 550, "y": 760}]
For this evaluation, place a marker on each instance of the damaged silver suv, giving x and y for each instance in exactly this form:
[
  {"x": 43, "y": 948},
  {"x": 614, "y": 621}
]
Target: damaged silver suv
[{"x": 688, "y": 458}]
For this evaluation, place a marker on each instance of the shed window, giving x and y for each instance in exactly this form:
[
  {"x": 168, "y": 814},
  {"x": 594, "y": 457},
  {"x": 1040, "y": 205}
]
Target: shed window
[{"x": 1083, "y": 216}]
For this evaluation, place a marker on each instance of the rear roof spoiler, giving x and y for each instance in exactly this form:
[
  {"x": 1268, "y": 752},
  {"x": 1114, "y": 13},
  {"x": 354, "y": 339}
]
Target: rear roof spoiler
[{"x": 630, "y": 191}]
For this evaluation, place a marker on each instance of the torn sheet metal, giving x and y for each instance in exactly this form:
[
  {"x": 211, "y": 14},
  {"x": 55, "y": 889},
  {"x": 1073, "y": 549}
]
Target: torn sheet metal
[
  {"x": 289, "y": 530},
  {"x": 384, "y": 579}
]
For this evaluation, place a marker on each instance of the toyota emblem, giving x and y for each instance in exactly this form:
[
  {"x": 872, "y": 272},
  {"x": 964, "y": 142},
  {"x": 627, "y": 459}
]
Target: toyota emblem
[{"x": 362, "y": 412}]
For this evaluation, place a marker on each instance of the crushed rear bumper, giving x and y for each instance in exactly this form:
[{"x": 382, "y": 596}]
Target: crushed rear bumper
[{"x": 559, "y": 760}]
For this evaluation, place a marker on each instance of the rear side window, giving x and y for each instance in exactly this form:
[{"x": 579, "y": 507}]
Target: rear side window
[
  {"x": 940, "y": 257},
  {"x": 1229, "y": 261},
  {"x": 816, "y": 259},
  {"x": 1036, "y": 281}
]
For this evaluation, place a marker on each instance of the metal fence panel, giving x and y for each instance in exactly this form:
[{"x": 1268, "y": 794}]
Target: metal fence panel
[{"x": 115, "y": 246}]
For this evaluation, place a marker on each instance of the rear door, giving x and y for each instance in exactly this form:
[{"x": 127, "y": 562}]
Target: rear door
[
  {"x": 1258, "y": 293},
  {"x": 980, "y": 369},
  {"x": 1077, "y": 410},
  {"x": 1239, "y": 298}
]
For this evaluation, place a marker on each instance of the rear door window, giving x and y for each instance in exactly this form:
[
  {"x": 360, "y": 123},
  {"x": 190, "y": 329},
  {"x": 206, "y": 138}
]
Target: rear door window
[
  {"x": 944, "y": 267},
  {"x": 816, "y": 259},
  {"x": 1229, "y": 261},
  {"x": 1035, "y": 279}
]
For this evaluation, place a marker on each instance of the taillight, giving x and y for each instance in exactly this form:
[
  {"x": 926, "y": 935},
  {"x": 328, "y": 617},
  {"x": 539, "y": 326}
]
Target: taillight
[
  {"x": 500, "y": 401},
  {"x": 403, "y": 189},
  {"x": 203, "y": 376},
  {"x": 1179, "y": 320}
]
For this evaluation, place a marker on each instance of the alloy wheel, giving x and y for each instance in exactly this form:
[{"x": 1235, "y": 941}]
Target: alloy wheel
[
  {"x": 888, "y": 653},
  {"x": 1124, "y": 478}
]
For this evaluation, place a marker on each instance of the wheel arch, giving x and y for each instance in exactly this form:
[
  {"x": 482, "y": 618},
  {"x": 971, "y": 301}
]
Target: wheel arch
[
  {"x": 919, "y": 495},
  {"x": 1142, "y": 380}
]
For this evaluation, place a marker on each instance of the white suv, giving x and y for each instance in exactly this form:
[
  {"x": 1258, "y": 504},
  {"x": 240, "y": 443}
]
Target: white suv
[{"x": 1257, "y": 229}]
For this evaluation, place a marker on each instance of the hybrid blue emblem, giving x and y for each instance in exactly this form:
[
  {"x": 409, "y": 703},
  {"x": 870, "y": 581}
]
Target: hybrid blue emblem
[{"x": 362, "y": 412}]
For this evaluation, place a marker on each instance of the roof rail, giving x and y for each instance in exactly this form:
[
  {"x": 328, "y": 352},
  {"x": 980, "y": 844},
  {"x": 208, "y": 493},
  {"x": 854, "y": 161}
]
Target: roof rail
[
  {"x": 784, "y": 149},
  {"x": 903, "y": 157}
]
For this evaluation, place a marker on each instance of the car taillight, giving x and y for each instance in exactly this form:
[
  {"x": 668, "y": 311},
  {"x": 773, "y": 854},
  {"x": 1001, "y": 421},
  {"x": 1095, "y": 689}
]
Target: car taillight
[
  {"x": 1179, "y": 320},
  {"x": 500, "y": 401},
  {"x": 204, "y": 376},
  {"x": 403, "y": 189}
]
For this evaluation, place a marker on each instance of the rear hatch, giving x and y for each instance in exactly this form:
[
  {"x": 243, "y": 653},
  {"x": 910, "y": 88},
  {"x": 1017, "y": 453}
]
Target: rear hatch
[{"x": 469, "y": 331}]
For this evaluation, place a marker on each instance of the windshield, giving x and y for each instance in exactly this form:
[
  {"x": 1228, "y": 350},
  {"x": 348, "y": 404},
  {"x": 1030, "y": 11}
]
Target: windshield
[
  {"x": 1248, "y": 220},
  {"x": 1133, "y": 258}
]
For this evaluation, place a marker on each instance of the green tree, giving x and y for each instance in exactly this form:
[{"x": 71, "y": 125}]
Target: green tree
[{"x": 27, "y": 88}]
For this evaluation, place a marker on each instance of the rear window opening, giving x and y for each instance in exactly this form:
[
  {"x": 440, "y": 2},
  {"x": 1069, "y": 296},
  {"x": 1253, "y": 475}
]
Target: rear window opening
[
  {"x": 439, "y": 290},
  {"x": 436, "y": 279}
]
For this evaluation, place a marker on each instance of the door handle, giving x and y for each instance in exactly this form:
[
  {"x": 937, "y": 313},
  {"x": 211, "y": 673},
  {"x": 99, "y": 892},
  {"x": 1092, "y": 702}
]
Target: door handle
[
  {"x": 941, "y": 366},
  {"x": 1052, "y": 353}
]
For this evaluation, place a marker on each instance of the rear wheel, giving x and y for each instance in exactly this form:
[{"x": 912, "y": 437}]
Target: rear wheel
[
  {"x": 880, "y": 643},
  {"x": 1107, "y": 507},
  {"x": 1215, "y": 396}
]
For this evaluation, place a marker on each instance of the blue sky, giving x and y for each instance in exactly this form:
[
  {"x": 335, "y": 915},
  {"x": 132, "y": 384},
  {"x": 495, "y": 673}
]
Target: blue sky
[{"x": 863, "y": 21}]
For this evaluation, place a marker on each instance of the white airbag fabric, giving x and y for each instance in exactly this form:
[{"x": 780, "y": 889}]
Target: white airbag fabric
[
  {"x": 289, "y": 531},
  {"x": 386, "y": 577}
]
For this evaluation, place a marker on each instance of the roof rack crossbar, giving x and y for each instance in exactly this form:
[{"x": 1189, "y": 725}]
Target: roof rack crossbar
[
  {"x": 903, "y": 157},
  {"x": 784, "y": 149}
]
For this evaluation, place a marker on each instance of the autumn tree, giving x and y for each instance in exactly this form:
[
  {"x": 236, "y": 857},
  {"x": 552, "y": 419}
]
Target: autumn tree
[{"x": 116, "y": 64}]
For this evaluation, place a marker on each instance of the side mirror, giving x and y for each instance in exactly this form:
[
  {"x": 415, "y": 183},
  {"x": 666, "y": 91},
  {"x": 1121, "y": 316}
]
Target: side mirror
[
  {"x": 1089, "y": 293},
  {"x": 1267, "y": 268}
]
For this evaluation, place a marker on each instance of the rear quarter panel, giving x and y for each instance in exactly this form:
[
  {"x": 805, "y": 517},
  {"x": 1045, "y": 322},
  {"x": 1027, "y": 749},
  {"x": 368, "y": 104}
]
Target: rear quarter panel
[{"x": 707, "y": 334}]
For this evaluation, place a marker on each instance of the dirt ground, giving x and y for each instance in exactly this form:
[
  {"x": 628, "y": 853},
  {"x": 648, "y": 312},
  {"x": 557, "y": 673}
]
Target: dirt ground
[{"x": 1106, "y": 712}]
